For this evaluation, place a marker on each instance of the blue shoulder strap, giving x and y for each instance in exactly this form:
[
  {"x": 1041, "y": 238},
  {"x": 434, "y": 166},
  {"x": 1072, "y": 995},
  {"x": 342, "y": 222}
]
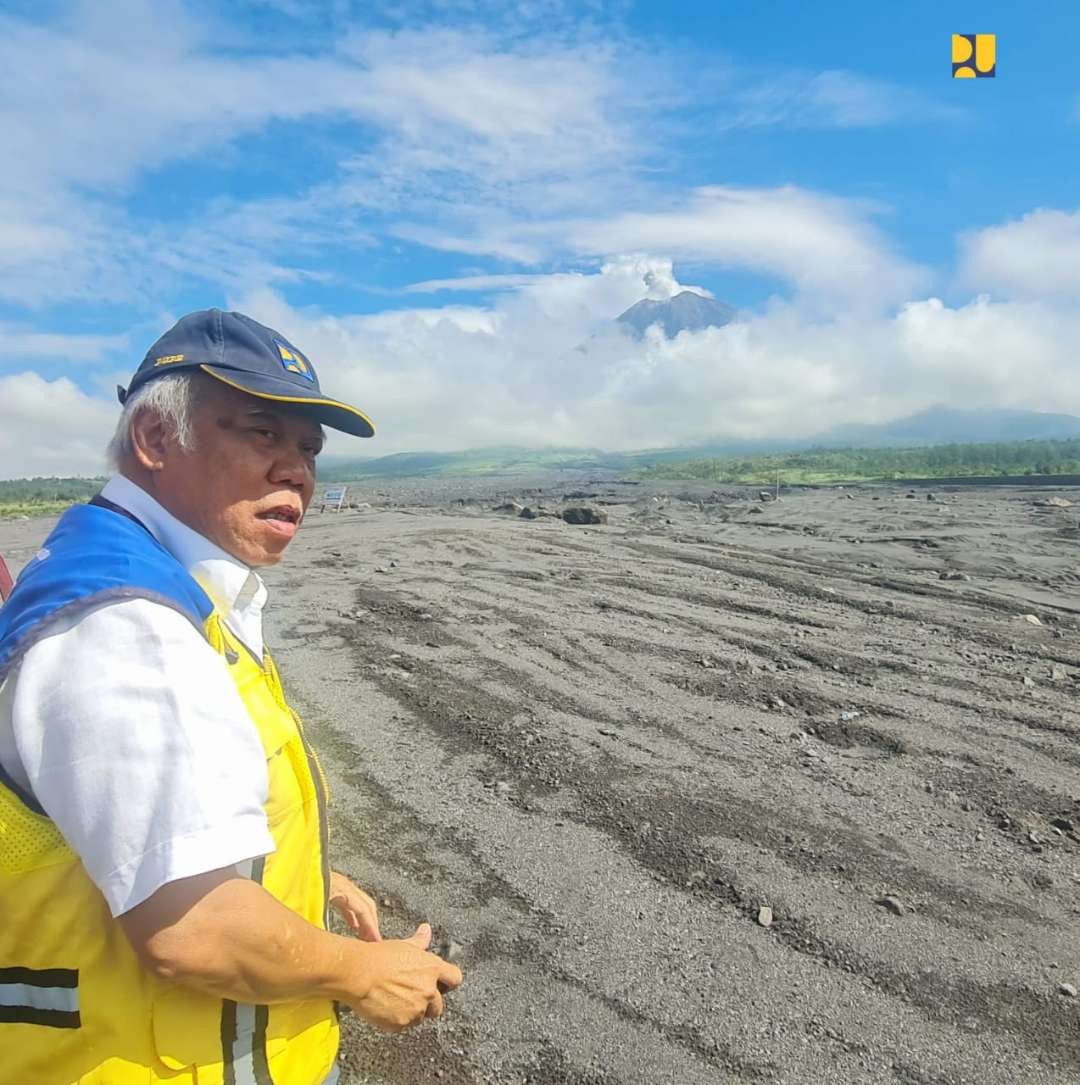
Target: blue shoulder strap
[
  {"x": 97, "y": 553},
  {"x": 93, "y": 555}
]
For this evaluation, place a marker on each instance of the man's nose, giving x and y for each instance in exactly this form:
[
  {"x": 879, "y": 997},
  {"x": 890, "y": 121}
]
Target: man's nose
[{"x": 292, "y": 468}]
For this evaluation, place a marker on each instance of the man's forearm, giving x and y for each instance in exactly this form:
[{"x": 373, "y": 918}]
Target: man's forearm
[
  {"x": 237, "y": 941},
  {"x": 227, "y": 936}
]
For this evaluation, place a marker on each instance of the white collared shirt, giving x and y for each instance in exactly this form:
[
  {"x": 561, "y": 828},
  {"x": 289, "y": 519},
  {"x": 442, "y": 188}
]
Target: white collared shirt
[
  {"x": 127, "y": 728},
  {"x": 237, "y": 592}
]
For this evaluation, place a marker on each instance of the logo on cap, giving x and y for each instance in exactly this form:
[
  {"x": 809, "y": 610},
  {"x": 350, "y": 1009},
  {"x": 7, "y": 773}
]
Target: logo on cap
[
  {"x": 974, "y": 56},
  {"x": 294, "y": 361}
]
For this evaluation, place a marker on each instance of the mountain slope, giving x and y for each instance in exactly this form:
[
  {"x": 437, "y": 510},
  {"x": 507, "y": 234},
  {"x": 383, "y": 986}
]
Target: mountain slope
[
  {"x": 939, "y": 425},
  {"x": 685, "y": 311}
]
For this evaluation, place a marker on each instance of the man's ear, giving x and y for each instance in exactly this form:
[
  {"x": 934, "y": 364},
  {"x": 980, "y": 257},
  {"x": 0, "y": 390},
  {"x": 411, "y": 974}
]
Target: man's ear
[{"x": 151, "y": 440}]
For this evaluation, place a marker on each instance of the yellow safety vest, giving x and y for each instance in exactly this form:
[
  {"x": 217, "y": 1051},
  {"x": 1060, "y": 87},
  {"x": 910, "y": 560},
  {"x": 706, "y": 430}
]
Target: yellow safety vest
[{"x": 79, "y": 1008}]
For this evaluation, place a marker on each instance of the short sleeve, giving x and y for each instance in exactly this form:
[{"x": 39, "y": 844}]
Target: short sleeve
[{"x": 134, "y": 739}]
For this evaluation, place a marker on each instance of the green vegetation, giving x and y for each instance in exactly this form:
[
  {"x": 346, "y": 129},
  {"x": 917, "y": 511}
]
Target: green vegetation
[
  {"x": 48, "y": 496},
  {"x": 43, "y": 496},
  {"x": 483, "y": 461},
  {"x": 1011, "y": 458}
]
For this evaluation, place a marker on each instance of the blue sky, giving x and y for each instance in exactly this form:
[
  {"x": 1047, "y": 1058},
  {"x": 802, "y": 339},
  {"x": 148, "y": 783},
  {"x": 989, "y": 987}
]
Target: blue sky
[{"x": 447, "y": 203}]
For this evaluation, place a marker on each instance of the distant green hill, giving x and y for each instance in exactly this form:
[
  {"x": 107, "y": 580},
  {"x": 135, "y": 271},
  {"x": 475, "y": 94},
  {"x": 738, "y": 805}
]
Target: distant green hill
[
  {"x": 1002, "y": 459},
  {"x": 988, "y": 460},
  {"x": 483, "y": 461},
  {"x": 935, "y": 427},
  {"x": 43, "y": 496}
]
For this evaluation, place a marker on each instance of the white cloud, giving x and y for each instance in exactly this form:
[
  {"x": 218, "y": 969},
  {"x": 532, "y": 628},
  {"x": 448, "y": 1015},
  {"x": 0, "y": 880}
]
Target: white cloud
[
  {"x": 472, "y": 282},
  {"x": 20, "y": 343},
  {"x": 1037, "y": 255},
  {"x": 830, "y": 99},
  {"x": 544, "y": 365},
  {"x": 824, "y": 247},
  {"x": 51, "y": 428}
]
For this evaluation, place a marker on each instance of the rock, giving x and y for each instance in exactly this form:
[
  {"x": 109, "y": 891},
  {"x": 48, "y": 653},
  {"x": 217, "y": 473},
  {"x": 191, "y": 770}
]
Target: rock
[
  {"x": 1033, "y": 838},
  {"x": 705, "y": 662},
  {"x": 1067, "y": 989},
  {"x": 845, "y": 717},
  {"x": 892, "y": 904},
  {"x": 381, "y": 569},
  {"x": 764, "y": 916},
  {"x": 510, "y": 506},
  {"x": 1029, "y": 681},
  {"x": 754, "y": 509},
  {"x": 527, "y": 513},
  {"x": 764, "y": 495},
  {"x": 502, "y": 788},
  {"x": 931, "y": 497},
  {"x": 584, "y": 514},
  {"x": 454, "y": 951},
  {"x": 1054, "y": 503},
  {"x": 953, "y": 575},
  {"x": 1031, "y": 619},
  {"x": 1064, "y": 824}
]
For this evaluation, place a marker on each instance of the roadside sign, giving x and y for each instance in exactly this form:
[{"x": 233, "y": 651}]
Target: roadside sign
[
  {"x": 5, "y": 581},
  {"x": 333, "y": 497}
]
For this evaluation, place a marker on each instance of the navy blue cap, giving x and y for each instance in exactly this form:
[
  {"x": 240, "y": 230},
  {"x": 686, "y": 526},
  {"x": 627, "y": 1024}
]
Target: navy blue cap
[{"x": 250, "y": 357}]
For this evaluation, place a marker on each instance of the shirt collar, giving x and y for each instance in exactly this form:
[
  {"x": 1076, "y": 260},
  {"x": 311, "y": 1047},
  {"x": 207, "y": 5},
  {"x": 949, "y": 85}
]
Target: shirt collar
[{"x": 230, "y": 584}]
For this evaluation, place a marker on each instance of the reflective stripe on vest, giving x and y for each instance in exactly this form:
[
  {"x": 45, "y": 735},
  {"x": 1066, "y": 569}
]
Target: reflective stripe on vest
[{"x": 40, "y": 996}]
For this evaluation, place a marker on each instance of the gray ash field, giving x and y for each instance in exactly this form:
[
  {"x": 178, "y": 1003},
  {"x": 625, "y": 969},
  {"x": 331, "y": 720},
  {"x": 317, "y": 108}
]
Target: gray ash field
[{"x": 591, "y": 756}]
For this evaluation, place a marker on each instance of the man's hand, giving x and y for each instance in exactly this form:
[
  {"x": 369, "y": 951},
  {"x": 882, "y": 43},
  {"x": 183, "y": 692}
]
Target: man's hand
[
  {"x": 355, "y": 907},
  {"x": 227, "y": 936},
  {"x": 404, "y": 982}
]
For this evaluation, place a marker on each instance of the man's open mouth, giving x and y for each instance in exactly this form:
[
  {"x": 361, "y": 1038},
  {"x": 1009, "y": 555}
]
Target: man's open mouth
[{"x": 285, "y": 515}]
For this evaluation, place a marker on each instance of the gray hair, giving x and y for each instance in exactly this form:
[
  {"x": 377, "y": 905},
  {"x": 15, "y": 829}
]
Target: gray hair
[{"x": 172, "y": 398}]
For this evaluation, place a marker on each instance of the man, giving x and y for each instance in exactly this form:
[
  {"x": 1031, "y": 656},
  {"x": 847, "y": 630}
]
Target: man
[{"x": 164, "y": 880}]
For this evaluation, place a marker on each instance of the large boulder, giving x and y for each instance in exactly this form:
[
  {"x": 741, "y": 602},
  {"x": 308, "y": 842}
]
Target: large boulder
[{"x": 584, "y": 514}]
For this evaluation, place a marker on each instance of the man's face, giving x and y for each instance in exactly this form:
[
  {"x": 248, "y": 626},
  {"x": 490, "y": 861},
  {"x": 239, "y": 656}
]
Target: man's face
[{"x": 250, "y": 477}]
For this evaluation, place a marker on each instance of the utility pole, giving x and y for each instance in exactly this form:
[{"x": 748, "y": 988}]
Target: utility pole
[{"x": 777, "y": 498}]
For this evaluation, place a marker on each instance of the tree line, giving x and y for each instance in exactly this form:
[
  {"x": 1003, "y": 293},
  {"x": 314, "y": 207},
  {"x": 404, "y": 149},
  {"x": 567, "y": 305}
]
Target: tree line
[
  {"x": 32, "y": 491},
  {"x": 1006, "y": 458}
]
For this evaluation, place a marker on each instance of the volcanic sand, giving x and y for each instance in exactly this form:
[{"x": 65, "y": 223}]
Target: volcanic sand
[{"x": 589, "y": 756}]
